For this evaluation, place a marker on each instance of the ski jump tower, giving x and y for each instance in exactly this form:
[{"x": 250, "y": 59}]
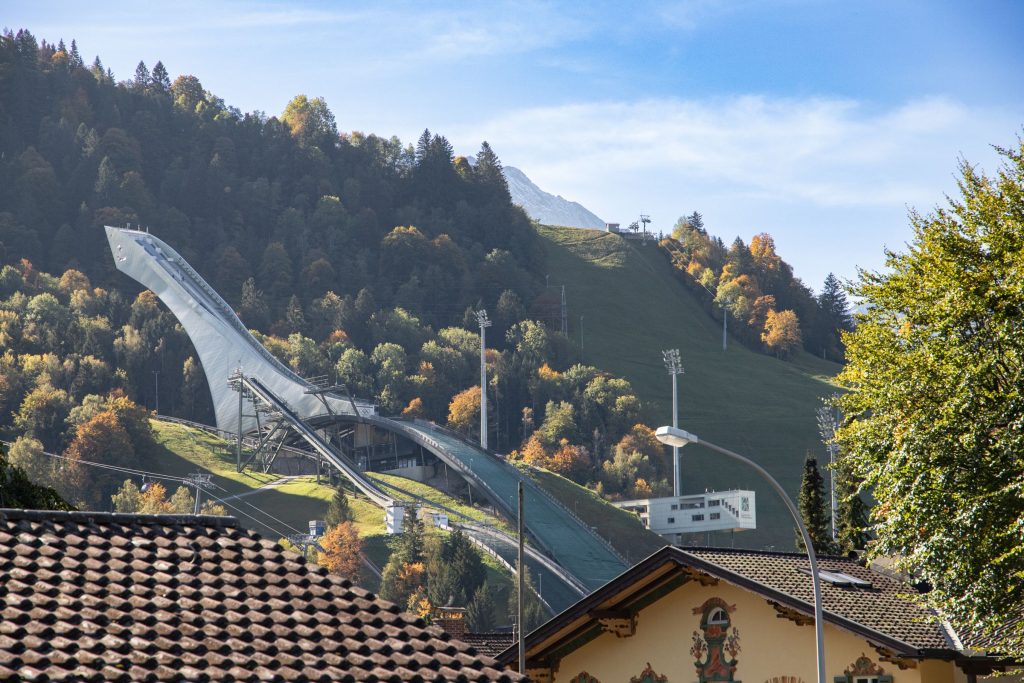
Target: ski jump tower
[{"x": 224, "y": 345}]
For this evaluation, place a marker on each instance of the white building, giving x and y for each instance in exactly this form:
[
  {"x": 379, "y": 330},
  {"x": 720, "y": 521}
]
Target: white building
[{"x": 673, "y": 516}]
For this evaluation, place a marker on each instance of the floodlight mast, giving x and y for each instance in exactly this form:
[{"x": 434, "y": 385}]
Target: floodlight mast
[
  {"x": 673, "y": 436},
  {"x": 481, "y": 319},
  {"x": 674, "y": 365}
]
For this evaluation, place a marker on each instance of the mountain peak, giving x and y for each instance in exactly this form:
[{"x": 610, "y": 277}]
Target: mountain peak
[{"x": 545, "y": 207}]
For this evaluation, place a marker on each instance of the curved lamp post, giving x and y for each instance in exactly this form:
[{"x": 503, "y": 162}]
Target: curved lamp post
[{"x": 678, "y": 438}]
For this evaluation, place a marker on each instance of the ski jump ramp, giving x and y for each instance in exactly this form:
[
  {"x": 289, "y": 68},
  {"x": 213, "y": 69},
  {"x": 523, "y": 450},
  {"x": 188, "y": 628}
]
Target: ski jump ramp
[{"x": 226, "y": 348}]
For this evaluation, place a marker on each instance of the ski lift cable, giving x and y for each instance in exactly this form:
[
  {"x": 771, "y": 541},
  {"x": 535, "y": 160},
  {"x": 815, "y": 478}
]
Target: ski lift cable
[
  {"x": 116, "y": 468},
  {"x": 155, "y": 475}
]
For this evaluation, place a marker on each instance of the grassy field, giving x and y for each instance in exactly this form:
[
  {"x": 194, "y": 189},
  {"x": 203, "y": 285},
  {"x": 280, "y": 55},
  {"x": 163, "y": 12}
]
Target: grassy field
[
  {"x": 764, "y": 408},
  {"x": 274, "y": 512}
]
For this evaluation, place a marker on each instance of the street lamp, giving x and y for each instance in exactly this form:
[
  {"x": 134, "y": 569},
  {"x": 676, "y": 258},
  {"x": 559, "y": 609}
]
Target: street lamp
[
  {"x": 672, "y": 436},
  {"x": 675, "y": 367}
]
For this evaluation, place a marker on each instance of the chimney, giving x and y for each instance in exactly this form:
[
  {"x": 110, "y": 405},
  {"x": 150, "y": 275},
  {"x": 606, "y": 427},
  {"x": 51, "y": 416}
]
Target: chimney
[{"x": 452, "y": 620}]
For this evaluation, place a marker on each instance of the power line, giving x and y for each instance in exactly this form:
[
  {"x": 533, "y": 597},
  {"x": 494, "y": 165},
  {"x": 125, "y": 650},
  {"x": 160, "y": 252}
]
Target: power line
[{"x": 187, "y": 482}]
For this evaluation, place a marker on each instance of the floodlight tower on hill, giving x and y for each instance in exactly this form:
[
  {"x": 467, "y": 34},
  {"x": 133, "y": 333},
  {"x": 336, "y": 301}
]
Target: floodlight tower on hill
[
  {"x": 481, "y": 318},
  {"x": 674, "y": 365}
]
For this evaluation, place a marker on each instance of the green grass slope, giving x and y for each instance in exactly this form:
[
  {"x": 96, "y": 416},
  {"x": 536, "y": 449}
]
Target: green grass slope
[
  {"x": 622, "y": 529},
  {"x": 764, "y": 408}
]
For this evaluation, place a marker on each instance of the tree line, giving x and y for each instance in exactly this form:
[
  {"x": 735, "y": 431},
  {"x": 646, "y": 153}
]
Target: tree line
[
  {"x": 349, "y": 255},
  {"x": 768, "y": 307}
]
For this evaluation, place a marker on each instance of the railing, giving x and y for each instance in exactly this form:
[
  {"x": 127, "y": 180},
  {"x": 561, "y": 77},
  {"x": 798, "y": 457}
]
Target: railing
[
  {"x": 508, "y": 565},
  {"x": 224, "y": 311},
  {"x": 488, "y": 530},
  {"x": 452, "y": 433}
]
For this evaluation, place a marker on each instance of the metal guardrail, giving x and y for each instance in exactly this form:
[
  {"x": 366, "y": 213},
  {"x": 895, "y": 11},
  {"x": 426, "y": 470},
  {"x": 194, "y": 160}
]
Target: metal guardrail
[
  {"x": 476, "y": 527},
  {"x": 416, "y": 435}
]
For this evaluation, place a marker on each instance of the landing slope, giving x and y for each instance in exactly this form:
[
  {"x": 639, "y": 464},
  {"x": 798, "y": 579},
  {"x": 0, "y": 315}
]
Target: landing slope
[{"x": 764, "y": 408}]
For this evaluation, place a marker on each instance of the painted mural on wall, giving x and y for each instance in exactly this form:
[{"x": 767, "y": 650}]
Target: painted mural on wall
[
  {"x": 649, "y": 675},
  {"x": 717, "y": 643},
  {"x": 863, "y": 670}
]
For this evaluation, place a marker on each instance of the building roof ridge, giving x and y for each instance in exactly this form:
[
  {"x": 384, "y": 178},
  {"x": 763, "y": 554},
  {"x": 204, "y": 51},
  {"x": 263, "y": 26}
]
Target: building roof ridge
[
  {"x": 136, "y": 518},
  {"x": 765, "y": 553}
]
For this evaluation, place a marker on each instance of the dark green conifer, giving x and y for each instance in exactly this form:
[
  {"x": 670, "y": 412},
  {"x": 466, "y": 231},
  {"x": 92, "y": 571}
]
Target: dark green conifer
[
  {"x": 339, "y": 510},
  {"x": 814, "y": 508},
  {"x": 480, "y": 610}
]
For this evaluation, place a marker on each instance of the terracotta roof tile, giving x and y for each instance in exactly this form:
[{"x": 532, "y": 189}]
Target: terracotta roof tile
[
  {"x": 95, "y": 596},
  {"x": 887, "y": 607}
]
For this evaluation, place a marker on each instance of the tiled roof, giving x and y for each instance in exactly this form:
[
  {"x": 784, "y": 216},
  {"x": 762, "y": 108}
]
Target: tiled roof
[
  {"x": 490, "y": 643},
  {"x": 886, "y": 607},
  {"x": 96, "y": 596}
]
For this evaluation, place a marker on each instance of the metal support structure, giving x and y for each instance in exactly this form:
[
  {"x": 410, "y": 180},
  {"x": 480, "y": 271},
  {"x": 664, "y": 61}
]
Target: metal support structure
[
  {"x": 521, "y": 578},
  {"x": 725, "y": 327},
  {"x": 674, "y": 365},
  {"x": 565, "y": 315},
  {"x": 581, "y": 339},
  {"x": 199, "y": 480},
  {"x": 677, "y": 437},
  {"x": 156, "y": 390},
  {"x": 238, "y": 445},
  {"x": 481, "y": 318}
]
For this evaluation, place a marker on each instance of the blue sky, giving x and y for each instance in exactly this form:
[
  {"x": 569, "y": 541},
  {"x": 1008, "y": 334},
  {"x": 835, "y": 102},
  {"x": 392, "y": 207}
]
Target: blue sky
[{"x": 819, "y": 122}]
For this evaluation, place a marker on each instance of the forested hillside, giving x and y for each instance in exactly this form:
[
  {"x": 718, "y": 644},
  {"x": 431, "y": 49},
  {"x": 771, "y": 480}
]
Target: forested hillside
[
  {"x": 770, "y": 309},
  {"x": 350, "y": 255}
]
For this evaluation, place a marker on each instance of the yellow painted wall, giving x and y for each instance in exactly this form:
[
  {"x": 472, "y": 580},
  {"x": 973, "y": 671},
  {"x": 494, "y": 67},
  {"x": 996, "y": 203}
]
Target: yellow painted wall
[{"x": 770, "y": 647}]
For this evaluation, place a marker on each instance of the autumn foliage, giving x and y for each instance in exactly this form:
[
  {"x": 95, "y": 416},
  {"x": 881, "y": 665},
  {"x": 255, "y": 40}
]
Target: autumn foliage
[
  {"x": 464, "y": 411},
  {"x": 781, "y": 333},
  {"x": 341, "y": 550}
]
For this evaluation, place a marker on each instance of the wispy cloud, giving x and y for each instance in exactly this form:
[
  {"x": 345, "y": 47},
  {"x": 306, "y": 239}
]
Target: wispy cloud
[
  {"x": 813, "y": 172},
  {"x": 831, "y": 152}
]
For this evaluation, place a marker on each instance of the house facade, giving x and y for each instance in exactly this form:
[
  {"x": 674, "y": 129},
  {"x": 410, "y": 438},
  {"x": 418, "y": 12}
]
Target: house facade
[{"x": 723, "y": 615}]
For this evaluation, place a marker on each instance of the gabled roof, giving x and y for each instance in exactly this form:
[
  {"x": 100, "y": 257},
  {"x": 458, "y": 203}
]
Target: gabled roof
[
  {"x": 884, "y": 613},
  {"x": 96, "y": 596}
]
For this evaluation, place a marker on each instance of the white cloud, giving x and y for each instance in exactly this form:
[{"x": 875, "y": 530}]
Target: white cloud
[{"x": 794, "y": 167}]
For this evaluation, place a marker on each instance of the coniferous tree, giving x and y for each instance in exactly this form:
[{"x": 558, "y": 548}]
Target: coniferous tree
[
  {"x": 339, "y": 510},
  {"x": 833, "y": 318},
  {"x": 480, "y": 610},
  {"x": 141, "y": 81},
  {"x": 75, "y": 59},
  {"x": 851, "y": 515},
  {"x": 411, "y": 546},
  {"x": 160, "y": 79},
  {"x": 813, "y": 507},
  {"x": 423, "y": 146}
]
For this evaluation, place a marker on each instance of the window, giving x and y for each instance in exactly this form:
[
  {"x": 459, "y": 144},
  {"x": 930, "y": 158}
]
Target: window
[
  {"x": 716, "y": 515},
  {"x": 675, "y": 506},
  {"x": 697, "y": 518},
  {"x": 718, "y": 616},
  {"x": 671, "y": 520},
  {"x": 714, "y": 503}
]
